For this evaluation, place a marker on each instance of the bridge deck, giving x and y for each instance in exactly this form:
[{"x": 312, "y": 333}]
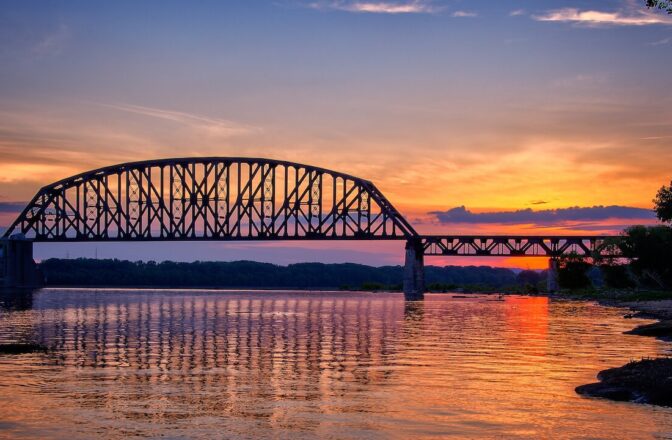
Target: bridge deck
[
  {"x": 513, "y": 246},
  {"x": 431, "y": 245}
]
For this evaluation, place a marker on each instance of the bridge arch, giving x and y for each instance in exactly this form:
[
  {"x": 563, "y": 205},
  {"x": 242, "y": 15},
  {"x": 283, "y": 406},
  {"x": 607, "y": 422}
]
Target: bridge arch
[{"x": 210, "y": 198}]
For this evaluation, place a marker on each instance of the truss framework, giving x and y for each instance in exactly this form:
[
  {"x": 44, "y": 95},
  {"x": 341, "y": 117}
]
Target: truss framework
[
  {"x": 210, "y": 199},
  {"x": 513, "y": 246}
]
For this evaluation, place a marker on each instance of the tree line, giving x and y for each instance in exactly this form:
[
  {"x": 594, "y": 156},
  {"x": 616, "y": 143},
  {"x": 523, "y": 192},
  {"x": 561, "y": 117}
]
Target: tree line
[
  {"x": 644, "y": 255},
  {"x": 250, "y": 274}
]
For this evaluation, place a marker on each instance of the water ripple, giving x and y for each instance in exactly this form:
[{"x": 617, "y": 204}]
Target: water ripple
[{"x": 197, "y": 364}]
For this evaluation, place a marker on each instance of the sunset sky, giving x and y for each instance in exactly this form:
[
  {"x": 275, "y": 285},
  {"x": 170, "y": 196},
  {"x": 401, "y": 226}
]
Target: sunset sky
[{"x": 470, "y": 116}]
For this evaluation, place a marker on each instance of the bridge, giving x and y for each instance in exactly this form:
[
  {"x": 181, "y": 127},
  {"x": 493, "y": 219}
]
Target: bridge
[{"x": 239, "y": 198}]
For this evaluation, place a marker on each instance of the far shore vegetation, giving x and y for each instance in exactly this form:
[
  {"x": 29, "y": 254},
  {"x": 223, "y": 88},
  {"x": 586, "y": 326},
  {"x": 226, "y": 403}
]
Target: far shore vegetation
[
  {"x": 255, "y": 275},
  {"x": 641, "y": 267}
]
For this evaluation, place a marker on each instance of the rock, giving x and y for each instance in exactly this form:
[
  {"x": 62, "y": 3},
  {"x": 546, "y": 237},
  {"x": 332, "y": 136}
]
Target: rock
[
  {"x": 645, "y": 381},
  {"x": 643, "y": 315},
  {"x": 605, "y": 391},
  {"x": 662, "y": 328}
]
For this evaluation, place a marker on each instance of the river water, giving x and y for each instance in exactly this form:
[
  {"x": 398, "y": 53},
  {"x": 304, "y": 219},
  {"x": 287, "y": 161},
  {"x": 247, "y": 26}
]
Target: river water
[{"x": 213, "y": 364}]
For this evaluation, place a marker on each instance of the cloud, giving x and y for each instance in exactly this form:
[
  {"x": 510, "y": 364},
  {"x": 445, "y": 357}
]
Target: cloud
[
  {"x": 40, "y": 145},
  {"x": 582, "y": 79},
  {"x": 378, "y": 7},
  {"x": 517, "y": 12},
  {"x": 544, "y": 217},
  {"x": 54, "y": 42},
  {"x": 655, "y": 138},
  {"x": 12, "y": 207},
  {"x": 667, "y": 40},
  {"x": 601, "y": 18},
  {"x": 464, "y": 14},
  {"x": 213, "y": 126}
]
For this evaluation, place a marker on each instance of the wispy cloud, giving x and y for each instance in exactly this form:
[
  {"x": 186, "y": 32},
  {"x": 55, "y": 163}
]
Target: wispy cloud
[
  {"x": 464, "y": 14},
  {"x": 212, "y": 126},
  {"x": 517, "y": 12},
  {"x": 635, "y": 17},
  {"x": 655, "y": 138},
  {"x": 54, "y": 42},
  {"x": 667, "y": 40},
  {"x": 582, "y": 79},
  {"x": 38, "y": 146},
  {"x": 12, "y": 207},
  {"x": 378, "y": 7},
  {"x": 545, "y": 216}
]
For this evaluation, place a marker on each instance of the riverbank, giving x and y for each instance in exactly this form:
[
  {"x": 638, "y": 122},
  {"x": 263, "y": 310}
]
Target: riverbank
[
  {"x": 658, "y": 309},
  {"x": 648, "y": 380}
]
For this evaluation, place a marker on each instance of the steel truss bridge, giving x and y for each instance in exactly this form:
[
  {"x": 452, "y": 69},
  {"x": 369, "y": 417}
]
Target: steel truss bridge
[{"x": 233, "y": 199}]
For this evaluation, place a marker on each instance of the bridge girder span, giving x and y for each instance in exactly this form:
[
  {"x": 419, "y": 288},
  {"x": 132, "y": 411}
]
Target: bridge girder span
[{"x": 210, "y": 199}]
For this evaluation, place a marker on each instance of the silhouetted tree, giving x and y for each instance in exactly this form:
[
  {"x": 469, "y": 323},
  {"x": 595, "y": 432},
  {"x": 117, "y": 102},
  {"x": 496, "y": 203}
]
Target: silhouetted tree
[
  {"x": 665, "y": 5},
  {"x": 573, "y": 272},
  {"x": 649, "y": 250},
  {"x": 617, "y": 276},
  {"x": 663, "y": 203},
  {"x": 528, "y": 277}
]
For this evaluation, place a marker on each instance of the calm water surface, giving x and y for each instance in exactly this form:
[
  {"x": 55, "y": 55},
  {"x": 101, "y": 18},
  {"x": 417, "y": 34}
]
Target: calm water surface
[{"x": 209, "y": 364}]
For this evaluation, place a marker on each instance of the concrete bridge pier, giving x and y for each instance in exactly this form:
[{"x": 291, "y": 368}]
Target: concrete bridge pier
[
  {"x": 17, "y": 268},
  {"x": 552, "y": 275},
  {"x": 414, "y": 271}
]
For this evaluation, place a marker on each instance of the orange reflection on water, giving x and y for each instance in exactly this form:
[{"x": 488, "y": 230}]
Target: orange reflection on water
[
  {"x": 204, "y": 364},
  {"x": 527, "y": 317}
]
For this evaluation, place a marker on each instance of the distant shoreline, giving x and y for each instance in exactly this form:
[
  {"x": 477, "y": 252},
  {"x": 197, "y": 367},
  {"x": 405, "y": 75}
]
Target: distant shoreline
[
  {"x": 300, "y": 276},
  {"x": 221, "y": 288}
]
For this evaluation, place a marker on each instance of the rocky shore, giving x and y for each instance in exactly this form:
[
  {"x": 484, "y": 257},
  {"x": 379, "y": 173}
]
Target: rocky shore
[
  {"x": 661, "y": 329},
  {"x": 658, "y": 309},
  {"x": 646, "y": 381}
]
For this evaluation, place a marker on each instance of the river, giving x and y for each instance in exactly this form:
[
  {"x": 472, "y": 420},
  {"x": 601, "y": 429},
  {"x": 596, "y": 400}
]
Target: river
[{"x": 329, "y": 365}]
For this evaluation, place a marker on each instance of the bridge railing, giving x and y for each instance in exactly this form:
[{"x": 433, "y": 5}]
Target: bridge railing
[{"x": 516, "y": 246}]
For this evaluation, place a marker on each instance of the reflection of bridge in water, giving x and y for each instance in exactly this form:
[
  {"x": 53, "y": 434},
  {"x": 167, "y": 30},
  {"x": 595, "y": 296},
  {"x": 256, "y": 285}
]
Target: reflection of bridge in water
[
  {"x": 232, "y": 199},
  {"x": 198, "y": 348},
  {"x": 149, "y": 356}
]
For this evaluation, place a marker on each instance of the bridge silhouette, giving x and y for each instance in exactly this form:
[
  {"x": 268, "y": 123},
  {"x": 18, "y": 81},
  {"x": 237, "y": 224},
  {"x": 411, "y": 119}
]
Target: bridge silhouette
[{"x": 243, "y": 199}]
